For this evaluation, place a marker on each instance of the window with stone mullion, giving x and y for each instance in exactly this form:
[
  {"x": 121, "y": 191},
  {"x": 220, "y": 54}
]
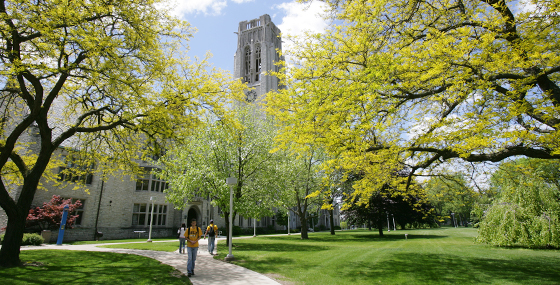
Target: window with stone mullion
[{"x": 257, "y": 63}]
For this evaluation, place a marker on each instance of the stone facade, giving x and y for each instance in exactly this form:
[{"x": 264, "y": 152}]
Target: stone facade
[{"x": 258, "y": 50}]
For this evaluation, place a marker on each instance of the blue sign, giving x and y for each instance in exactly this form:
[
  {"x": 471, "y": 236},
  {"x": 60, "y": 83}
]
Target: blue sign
[{"x": 62, "y": 225}]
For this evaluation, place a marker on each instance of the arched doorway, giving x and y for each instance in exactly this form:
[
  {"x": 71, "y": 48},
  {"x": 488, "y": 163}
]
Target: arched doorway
[{"x": 193, "y": 213}]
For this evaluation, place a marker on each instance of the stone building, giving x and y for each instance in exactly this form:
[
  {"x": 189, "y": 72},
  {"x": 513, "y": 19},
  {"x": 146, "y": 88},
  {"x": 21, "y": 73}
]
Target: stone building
[{"x": 258, "y": 50}]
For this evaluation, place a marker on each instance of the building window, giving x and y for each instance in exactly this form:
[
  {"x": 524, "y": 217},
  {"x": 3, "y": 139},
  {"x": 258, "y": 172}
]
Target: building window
[
  {"x": 240, "y": 221},
  {"x": 258, "y": 62},
  {"x": 247, "y": 64},
  {"x": 141, "y": 214},
  {"x": 75, "y": 172},
  {"x": 78, "y": 211},
  {"x": 149, "y": 181}
]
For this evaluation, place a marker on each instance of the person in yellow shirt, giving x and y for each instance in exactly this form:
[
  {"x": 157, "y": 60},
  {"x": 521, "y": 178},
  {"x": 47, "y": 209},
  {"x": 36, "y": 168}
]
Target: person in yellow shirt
[
  {"x": 192, "y": 235},
  {"x": 212, "y": 232}
]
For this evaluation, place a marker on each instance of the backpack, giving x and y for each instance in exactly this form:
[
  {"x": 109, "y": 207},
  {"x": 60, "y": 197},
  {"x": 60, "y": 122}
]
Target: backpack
[{"x": 211, "y": 232}]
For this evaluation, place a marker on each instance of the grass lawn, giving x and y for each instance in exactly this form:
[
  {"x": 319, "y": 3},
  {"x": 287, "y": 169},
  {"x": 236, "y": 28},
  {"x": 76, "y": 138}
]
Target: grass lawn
[
  {"x": 159, "y": 246},
  {"x": 433, "y": 256},
  {"x": 118, "y": 240},
  {"x": 82, "y": 267}
]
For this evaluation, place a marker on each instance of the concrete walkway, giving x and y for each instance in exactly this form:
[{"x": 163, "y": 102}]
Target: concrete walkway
[{"x": 207, "y": 269}]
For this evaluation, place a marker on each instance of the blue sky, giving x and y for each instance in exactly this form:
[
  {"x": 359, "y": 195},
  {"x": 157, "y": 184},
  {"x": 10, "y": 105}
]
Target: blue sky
[{"x": 217, "y": 20}]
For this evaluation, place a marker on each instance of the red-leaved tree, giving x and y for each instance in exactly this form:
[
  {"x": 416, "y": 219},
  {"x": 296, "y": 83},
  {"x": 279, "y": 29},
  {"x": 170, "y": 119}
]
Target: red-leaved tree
[{"x": 49, "y": 216}]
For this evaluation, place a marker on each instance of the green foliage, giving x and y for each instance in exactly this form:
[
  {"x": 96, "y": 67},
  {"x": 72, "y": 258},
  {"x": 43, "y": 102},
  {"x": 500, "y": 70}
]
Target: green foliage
[
  {"x": 107, "y": 82},
  {"x": 199, "y": 165},
  {"x": 282, "y": 218},
  {"x": 32, "y": 239},
  {"x": 421, "y": 83},
  {"x": 450, "y": 194},
  {"x": 526, "y": 211}
]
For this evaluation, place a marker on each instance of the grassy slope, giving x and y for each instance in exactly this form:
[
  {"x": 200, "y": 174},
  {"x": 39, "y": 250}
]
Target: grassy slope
[
  {"x": 81, "y": 267},
  {"x": 435, "y": 256}
]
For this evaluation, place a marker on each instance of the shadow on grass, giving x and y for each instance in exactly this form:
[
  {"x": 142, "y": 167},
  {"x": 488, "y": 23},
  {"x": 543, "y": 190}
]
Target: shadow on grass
[
  {"x": 75, "y": 267},
  {"x": 450, "y": 269},
  {"x": 357, "y": 237},
  {"x": 278, "y": 247}
]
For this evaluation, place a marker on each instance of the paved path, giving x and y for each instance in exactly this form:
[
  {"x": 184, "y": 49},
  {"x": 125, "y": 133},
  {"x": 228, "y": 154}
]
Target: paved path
[{"x": 208, "y": 270}]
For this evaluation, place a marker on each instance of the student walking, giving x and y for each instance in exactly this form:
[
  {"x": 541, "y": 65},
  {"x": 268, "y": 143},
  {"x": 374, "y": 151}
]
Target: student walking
[
  {"x": 181, "y": 233},
  {"x": 193, "y": 234},
  {"x": 211, "y": 231}
]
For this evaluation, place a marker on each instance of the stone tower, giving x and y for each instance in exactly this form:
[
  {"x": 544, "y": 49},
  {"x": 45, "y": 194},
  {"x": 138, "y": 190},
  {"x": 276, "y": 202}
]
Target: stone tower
[{"x": 258, "y": 43}]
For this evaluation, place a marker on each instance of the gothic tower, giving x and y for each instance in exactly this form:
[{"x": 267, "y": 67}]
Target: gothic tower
[{"x": 258, "y": 43}]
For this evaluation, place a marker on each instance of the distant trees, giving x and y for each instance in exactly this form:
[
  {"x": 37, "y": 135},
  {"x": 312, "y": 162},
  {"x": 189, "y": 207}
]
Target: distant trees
[
  {"x": 526, "y": 211},
  {"x": 451, "y": 194},
  {"x": 405, "y": 205}
]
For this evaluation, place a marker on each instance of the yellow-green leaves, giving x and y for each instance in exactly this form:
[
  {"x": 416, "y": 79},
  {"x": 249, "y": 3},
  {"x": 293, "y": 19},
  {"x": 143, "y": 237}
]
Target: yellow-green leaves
[{"x": 408, "y": 85}]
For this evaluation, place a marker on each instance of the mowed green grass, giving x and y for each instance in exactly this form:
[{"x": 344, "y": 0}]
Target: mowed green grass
[
  {"x": 432, "y": 256},
  {"x": 158, "y": 246},
  {"x": 117, "y": 241},
  {"x": 83, "y": 267}
]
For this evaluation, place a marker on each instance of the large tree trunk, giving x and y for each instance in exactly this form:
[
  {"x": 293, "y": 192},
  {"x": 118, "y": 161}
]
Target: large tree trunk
[
  {"x": 17, "y": 213},
  {"x": 9, "y": 254},
  {"x": 226, "y": 215},
  {"x": 303, "y": 222},
  {"x": 331, "y": 214}
]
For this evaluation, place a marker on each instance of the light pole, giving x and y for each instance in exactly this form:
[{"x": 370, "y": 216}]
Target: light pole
[
  {"x": 453, "y": 216},
  {"x": 388, "y": 224},
  {"x": 254, "y": 227},
  {"x": 394, "y": 225},
  {"x": 230, "y": 181},
  {"x": 152, "y": 198},
  {"x": 288, "y": 222}
]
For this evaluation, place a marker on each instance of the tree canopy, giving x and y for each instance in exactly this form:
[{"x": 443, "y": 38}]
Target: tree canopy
[
  {"x": 414, "y": 84},
  {"x": 199, "y": 165},
  {"x": 526, "y": 211},
  {"x": 107, "y": 80}
]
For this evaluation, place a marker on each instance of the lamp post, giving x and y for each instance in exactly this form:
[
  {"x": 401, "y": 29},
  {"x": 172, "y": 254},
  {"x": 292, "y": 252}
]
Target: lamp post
[
  {"x": 288, "y": 222},
  {"x": 152, "y": 198},
  {"x": 254, "y": 227},
  {"x": 230, "y": 181},
  {"x": 453, "y": 216}
]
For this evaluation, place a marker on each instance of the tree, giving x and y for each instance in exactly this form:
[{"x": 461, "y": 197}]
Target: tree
[
  {"x": 104, "y": 79},
  {"x": 421, "y": 83},
  {"x": 385, "y": 204},
  {"x": 199, "y": 165},
  {"x": 450, "y": 194},
  {"x": 297, "y": 179},
  {"x": 48, "y": 216},
  {"x": 526, "y": 211},
  {"x": 281, "y": 218}
]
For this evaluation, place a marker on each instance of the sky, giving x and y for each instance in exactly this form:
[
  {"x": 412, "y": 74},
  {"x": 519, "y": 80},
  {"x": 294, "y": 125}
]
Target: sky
[{"x": 217, "y": 20}]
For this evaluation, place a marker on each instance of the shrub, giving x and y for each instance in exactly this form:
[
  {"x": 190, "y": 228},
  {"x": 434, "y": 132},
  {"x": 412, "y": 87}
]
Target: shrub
[
  {"x": 337, "y": 228},
  {"x": 1, "y": 238},
  {"x": 32, "y": 239}
]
